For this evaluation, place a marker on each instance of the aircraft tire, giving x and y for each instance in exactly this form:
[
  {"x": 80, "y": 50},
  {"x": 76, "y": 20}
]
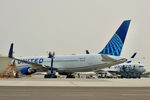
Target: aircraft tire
[
  {"x": 70, "y": 76},
  {"x": 50, "y": 76}
]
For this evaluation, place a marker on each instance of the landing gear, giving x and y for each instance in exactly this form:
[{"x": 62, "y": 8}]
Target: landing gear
[
  {"x": 50, "y": 76},
  {"x": 139, "y": 77},
  {"x": 16, "y": 75},
  {"x": 70, "y": 76}
]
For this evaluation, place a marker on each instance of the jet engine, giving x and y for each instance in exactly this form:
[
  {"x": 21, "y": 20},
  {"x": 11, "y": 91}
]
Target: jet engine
[{"x": 26, "y": 70}]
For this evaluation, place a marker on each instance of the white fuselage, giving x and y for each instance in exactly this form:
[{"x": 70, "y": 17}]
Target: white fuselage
[
  {"x": 74, "y": 63},
  {"x": 135, "y": 66}
]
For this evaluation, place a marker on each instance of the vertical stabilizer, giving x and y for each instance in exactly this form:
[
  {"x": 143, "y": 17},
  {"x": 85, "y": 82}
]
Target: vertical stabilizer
[
  {"x": 134, "y": 55},
  {"x": 10, "y": 54},
  {"x": 115, "y": 45},
  {"x": 87, "y": 52}
]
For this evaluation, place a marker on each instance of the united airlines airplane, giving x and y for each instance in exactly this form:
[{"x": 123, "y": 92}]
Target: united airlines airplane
[
  {"x": 127, "y": 69},
  {"x": 69, "y": 64}
]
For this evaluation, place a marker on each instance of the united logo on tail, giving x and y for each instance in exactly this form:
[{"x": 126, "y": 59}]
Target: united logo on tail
[{"x": 114, "y": 46}]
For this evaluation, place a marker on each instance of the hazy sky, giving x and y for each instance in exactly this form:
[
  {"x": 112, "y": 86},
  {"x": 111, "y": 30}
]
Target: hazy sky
[{"x": 72, "y": 26}]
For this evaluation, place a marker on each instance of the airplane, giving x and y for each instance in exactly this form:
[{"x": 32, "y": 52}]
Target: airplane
[
  {"x": 126, "y": 70},
  {"x": 69, "y": 64}
]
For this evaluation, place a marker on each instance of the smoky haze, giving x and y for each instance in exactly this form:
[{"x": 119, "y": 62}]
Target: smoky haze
[{"x": 72, "y": 26}]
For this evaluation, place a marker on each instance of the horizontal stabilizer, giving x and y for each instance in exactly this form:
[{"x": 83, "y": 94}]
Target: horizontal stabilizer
[{"x": 107, "y": 58}]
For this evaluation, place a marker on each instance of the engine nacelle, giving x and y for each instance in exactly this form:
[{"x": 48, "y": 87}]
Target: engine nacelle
[{"x": 26, "y": 70}]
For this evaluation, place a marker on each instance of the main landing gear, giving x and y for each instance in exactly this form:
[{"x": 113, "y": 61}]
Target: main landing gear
[
  {"x": 70, "y": 76},
  {"x": 50, "y": 75}
]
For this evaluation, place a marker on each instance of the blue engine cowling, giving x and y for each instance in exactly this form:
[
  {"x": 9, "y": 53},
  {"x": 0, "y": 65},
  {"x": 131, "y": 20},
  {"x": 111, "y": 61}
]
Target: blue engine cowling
[{"x": 26, "y": 70}]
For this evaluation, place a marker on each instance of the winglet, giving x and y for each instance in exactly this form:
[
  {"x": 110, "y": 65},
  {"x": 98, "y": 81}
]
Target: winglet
[
  {"x": 115, "y": 45},
  {"x": 10, "y": 54},
  {"x": 134, "y": 55}
]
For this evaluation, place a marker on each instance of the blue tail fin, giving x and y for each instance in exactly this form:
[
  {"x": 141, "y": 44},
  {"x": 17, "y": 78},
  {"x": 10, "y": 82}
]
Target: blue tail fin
[
  {"x": 10, "y": 54},
  {"x": 87, "y": 52},
  {"x": 114, "y": 46},
  {"x": 132, "y": 57}
]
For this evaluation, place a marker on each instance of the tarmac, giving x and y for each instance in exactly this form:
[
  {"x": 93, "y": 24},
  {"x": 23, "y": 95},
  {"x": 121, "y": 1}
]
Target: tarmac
[
  {"x": 38, "y": 80},
  {"x": 38, "y": 88},
  {"x": 74, "y": 93}
]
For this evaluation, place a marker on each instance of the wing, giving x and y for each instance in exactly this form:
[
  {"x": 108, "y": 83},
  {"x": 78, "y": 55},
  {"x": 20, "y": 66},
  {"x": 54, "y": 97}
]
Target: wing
[
  {"x": 112, "y": 71},
  {"x": 38, "y": 67}
]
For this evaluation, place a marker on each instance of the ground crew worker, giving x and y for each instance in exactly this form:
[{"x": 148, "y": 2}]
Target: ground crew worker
[{"x": 123, "y": 67}]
